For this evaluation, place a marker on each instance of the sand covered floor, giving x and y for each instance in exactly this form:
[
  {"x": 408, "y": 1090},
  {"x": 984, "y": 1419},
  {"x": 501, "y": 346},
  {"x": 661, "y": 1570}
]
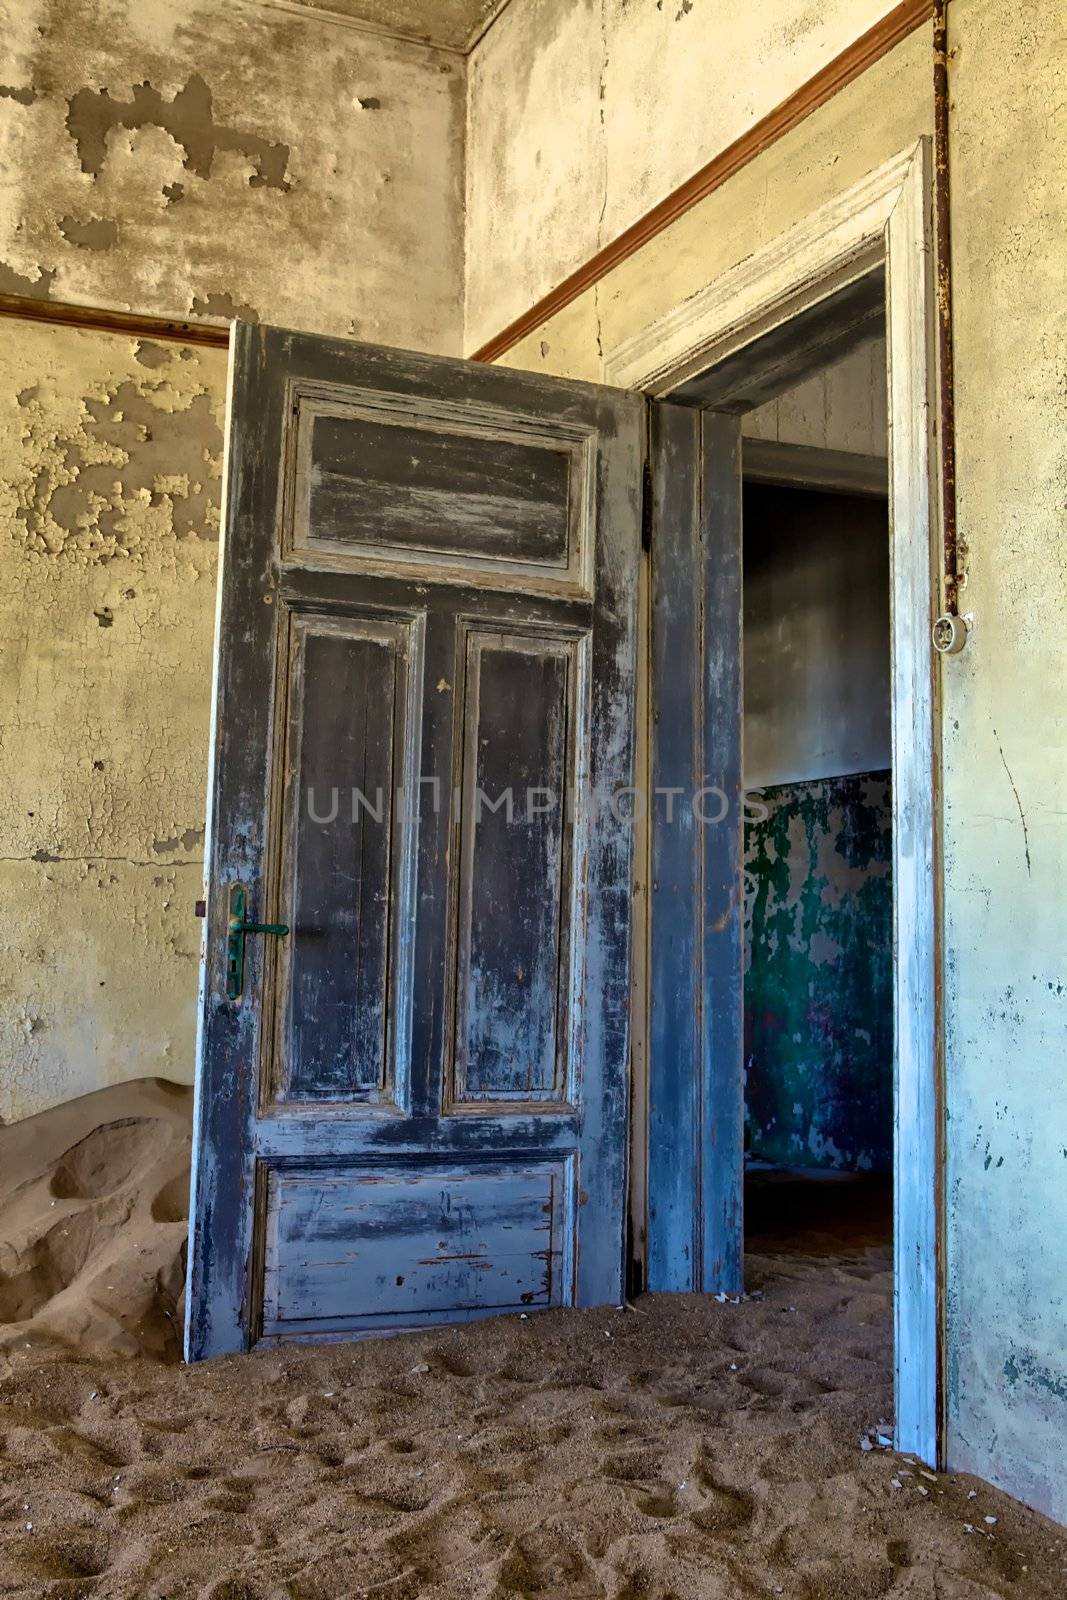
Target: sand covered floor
[{"x": 682, "y": 1449}]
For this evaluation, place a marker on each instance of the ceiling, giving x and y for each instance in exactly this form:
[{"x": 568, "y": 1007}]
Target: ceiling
[{"x": 455, "y": 24}]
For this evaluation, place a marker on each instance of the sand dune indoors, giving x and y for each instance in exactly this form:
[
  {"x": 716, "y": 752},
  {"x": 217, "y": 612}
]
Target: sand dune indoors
[{"x": 684, "y": 1450}]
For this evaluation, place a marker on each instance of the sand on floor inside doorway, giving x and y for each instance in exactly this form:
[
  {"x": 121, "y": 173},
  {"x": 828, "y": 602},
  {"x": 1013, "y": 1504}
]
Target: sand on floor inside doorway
[{"x": 685, "y": 1448}]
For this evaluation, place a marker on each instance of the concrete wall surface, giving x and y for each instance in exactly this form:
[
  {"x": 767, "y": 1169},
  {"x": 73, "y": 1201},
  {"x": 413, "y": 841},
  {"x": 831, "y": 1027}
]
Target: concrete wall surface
[
  {"x": 109, "y": 517},
  {"x": 220, "y": 159},
  {"x": 582, "y": 114},
  {"x": 870, "y": 120},
  {"x": 1005, "y": 760},
  {"x": 816, "y": 634}
]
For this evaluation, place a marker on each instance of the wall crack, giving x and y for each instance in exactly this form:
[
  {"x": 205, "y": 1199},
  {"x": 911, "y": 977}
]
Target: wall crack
[{"x": 1018, "y": 802}]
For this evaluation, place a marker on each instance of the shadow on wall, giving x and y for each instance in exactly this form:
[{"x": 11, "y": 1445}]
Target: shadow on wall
[{"x": 819, "y": 975}]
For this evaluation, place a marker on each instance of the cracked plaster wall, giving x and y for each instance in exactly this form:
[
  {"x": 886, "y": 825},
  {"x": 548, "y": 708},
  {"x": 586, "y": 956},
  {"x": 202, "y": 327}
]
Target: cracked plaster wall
[
  {"x": 871, "y": 119},
  {"x": 1005, "y": 756},
  {"x": 215, "y": 159},
  {"x": 108, "y": 543},
  {"x": 583, "y": 114},
  {"x": 1004, "y": 724},
  {"x": 203, "y": 160}
]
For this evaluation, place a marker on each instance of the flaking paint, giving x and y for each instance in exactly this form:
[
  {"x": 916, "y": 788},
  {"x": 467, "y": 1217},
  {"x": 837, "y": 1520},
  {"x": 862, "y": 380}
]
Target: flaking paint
[
  {"x": 108, "y": 547},
  {"x": 147, "y": 168},
  {"x": 819, "y": 975}
]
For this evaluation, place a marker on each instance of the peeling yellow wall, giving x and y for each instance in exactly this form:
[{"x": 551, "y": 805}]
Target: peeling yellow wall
[
  {"x": 583, "y": 114},
  {"x": 196, "y": 160},
  {"x": 1004, "y": 724},
  {"x": 225, "y": 157},
  {"x": 112, "y": 454}
]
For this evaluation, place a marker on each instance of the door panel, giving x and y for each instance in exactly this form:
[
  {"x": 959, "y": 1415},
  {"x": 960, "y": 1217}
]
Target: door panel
[
  {"x": 501, "y": 491},
  {"x": 399, "y": 484},
  {"x": 513, "y": 976},
  {"x": 416, "y": 1110},
  {"x": 346, "y": 850},
  {"x": 696, "y": 1044},
  {"x": 416, "y": 1245}
]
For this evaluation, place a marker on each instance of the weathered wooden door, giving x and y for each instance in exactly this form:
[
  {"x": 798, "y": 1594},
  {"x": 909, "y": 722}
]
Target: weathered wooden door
[
  {"x": 695, "y": 1171},
  {"x": 412, "y": 1105}
]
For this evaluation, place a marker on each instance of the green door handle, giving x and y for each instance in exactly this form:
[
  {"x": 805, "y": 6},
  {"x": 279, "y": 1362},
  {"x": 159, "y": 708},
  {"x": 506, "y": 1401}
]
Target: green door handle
[{"x": 237, "y": 929}]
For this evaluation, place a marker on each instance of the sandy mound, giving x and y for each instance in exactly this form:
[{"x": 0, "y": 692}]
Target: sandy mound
[
  {"x": 685, "y": 1451},
  {"x": 94, "y": 1200},
  {"x": 688, "y": 1450}
]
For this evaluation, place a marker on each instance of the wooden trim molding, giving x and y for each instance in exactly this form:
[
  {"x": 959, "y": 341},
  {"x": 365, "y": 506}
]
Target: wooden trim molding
[
  {"x": 27, "y": 309},
  {"x": 918, "y": 872},
  {"x": 834, "y": 246},
  {"x": 877, "y": 42}
]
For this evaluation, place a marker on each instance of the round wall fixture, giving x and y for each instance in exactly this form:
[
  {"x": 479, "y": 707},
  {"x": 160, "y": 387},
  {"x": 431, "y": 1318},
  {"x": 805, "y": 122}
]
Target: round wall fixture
[{"x": 949, "y": 635}]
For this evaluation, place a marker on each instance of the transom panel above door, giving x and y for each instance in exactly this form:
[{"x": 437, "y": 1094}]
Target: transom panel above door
[{"x": 412, "y": 1104}]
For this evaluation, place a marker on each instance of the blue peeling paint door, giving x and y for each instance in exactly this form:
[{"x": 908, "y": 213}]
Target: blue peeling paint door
[
  {"x": 412, "y": 1105},
  {"x": 695, "y": 1172}
]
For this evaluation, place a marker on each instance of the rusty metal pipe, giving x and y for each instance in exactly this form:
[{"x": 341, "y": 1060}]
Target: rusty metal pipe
[{"x": 943, "y": 270}]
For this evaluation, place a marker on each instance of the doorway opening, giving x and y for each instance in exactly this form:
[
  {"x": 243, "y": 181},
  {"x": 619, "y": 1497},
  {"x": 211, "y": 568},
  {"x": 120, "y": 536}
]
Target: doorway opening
[
  {"x": 818, "y": 829},
  {"x": 862, "y": 263}
]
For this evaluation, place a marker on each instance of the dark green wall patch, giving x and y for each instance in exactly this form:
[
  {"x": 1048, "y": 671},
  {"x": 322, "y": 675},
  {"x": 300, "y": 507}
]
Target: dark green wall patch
[{"x": 819, "y": 975}]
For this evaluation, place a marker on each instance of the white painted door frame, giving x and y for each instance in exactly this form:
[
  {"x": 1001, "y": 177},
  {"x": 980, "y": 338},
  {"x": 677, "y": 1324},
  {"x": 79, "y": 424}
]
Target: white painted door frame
[{"x": 887, "y": 219}]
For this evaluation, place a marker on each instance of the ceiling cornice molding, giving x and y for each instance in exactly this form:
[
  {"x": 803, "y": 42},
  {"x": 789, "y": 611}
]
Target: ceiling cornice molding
[
  {"x": 341, "y": 19},
  {"x": 490, "y": 21},
  {"x": 326, "y": 13}
]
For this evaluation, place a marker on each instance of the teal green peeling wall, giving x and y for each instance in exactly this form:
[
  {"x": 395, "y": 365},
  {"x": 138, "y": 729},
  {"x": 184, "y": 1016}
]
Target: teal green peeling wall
[{"x": 819, "y": 975}]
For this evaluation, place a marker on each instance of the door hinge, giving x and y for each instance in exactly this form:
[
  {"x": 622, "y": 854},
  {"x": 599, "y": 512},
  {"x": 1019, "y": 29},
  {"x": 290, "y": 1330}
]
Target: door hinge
[{"x": 646, "y": 506}]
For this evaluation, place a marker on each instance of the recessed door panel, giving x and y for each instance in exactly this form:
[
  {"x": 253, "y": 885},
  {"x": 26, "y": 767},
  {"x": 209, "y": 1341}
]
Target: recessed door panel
[
  {"x": 404, "y": 485},
  {"x": 353, "y": 1249},
  {"x": 523, "y": 718},
  {"x": 351, "y": 731}
]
